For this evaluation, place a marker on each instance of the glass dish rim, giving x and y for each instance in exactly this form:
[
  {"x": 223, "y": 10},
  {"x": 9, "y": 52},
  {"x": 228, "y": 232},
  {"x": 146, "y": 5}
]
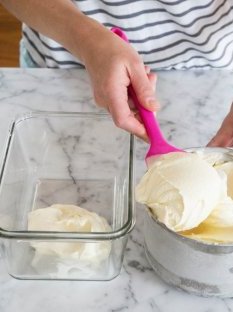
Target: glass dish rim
[{"x": 48, "y": 235}]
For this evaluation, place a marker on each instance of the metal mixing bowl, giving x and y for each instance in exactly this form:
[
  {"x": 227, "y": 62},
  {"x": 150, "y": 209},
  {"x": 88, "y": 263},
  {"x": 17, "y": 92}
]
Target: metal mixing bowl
[{"x": 197, "y": 267}]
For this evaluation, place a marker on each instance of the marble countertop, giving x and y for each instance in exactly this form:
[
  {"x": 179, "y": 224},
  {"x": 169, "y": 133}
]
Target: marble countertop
[{"x": 193, "y": 105}]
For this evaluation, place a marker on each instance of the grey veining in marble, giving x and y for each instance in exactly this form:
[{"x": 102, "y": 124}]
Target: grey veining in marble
[{"x": 193, "y": 105}]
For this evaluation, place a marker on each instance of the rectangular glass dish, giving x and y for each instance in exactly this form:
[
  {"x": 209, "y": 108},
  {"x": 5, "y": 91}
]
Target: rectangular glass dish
[{"x": 77, "y": 159}]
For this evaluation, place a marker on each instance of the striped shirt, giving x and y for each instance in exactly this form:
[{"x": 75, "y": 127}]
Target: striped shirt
[{"x": 168, "y": 34}]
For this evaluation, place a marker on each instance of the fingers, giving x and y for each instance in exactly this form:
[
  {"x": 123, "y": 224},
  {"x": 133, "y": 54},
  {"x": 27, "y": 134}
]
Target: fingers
[
  {"x": 120, "y": 111},
  {"x": 129, "y": 122},
  {"x": 147, "y": 69},
  {"x": 224, "y": 136},
  {"x": 153, "y": 78},
  {"x": 221, "y": 139},
  {"x": 143, "y": 86},
  {"x": 124, "y": 114},
  {"x": 115, "y": 100}
]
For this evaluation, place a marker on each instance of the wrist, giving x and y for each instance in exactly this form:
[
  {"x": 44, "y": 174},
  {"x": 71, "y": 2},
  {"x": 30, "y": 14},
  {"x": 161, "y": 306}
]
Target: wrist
[
  {"x": 80, "y": 32},
  {"x": 84, "y": 34}
]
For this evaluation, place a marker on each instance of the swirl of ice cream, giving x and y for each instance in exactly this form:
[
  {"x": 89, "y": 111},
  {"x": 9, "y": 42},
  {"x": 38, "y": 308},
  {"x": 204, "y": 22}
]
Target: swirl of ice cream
[
  {"x": 70, "y": 218},
  {"x": 218, "y": 226},
  {"x": 182, "y": 189}
]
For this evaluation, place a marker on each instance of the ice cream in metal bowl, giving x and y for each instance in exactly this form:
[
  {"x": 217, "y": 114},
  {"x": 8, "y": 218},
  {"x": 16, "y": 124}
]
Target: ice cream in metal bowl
[{"x": 189, "y": 232}]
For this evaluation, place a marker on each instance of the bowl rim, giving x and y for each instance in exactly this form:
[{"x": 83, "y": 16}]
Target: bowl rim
[
  {"x": 190, "y": 241},
  {"x": 49, "y": 235}
]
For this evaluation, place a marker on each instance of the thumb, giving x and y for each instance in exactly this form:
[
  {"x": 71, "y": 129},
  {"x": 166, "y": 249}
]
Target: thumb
[{"x": 143, "y": 88}]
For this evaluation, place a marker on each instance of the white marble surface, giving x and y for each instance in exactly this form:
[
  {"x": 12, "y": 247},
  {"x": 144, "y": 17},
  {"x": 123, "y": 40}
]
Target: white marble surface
[{"x": 192, "y": 107}]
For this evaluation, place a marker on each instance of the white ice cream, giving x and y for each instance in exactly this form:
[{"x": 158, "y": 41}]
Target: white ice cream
[
  {"x": 69, "y": 218},
  {"x": 218, "y": 226},
  {"x": 185, "y": 190}
]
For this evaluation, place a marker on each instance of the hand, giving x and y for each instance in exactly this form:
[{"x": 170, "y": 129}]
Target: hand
[
  {"x": 224, "y": 136},
  {"x": 113, "y": 65}
]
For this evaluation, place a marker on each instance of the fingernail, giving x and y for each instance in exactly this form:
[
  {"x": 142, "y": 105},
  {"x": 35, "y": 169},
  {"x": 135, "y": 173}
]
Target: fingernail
[
  {"x": 157, "y": 106},
  {"x": 147, "y": 69},
  {"x": 145, "y": 138},
  {"x": 151, "y": 102}
]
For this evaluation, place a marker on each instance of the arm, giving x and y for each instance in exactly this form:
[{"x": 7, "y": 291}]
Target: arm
[
  {"x": 111, "y": 63},
  {"x": 59, "y": 20}
]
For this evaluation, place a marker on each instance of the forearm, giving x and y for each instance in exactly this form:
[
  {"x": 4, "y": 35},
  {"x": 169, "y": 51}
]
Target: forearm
[
  {"x": 111, "y": 63},
  {"x": 58, "y": 19}
]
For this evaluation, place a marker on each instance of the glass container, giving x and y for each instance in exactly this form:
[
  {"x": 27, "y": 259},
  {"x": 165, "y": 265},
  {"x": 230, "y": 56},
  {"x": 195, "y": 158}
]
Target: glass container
[{"x": 77, "y": 159}]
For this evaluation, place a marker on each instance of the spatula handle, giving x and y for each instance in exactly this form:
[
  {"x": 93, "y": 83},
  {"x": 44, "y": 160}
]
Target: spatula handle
[{"x": 148, "y": 117}]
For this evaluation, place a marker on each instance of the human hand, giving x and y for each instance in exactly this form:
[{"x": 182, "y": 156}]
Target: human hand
[
  {"x": 224, "y": 136},
  {"x": 113, "y": 65}
]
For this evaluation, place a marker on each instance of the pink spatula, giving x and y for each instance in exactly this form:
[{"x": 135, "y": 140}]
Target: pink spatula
[{"x": 158, "y": 144}]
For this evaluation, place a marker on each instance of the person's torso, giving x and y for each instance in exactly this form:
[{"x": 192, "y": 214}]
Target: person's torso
[{"x": 168, "y": 34}]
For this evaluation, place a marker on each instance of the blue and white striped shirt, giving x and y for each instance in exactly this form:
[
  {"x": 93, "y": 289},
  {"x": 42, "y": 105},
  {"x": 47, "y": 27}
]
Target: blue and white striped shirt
[{"x": 168, "y": 34}]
